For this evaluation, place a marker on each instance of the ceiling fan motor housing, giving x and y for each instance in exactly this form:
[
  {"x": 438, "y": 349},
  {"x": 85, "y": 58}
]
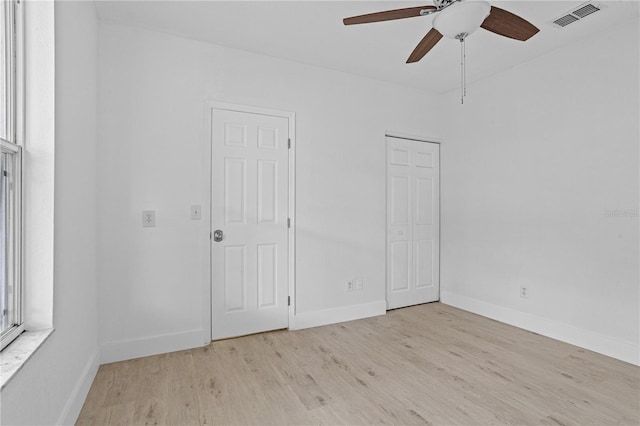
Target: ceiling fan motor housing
[
  {"x": 440, "y": 4},
  {"x": 461, "y": 19}
]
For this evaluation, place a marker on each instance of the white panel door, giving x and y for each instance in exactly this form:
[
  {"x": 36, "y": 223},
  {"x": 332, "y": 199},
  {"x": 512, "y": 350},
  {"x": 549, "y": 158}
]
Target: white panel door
[
  {"x": 249, "y": 205},
  {"x": 413, "y": 222}
]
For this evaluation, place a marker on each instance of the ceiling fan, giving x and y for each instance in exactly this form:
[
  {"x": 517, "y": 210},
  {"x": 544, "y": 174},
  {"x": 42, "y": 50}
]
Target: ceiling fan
[{"x": 455, "y": 19}]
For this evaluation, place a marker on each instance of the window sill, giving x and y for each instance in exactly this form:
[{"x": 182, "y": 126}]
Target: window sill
[{"x": 14, "y": 356}]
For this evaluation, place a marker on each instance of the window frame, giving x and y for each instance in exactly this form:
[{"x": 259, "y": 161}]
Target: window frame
[{"x": 12, "y": 146}]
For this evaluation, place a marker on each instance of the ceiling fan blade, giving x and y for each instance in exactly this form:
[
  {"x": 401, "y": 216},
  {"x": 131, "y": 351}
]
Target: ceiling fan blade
[
  {"x": 509, "y": 25},
  {"x": 388, "y": 15},
  {"x": 425, "y": 45}
]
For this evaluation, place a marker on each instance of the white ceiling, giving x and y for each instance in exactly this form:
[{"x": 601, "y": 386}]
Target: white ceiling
[{"x": 312, "y": 32}]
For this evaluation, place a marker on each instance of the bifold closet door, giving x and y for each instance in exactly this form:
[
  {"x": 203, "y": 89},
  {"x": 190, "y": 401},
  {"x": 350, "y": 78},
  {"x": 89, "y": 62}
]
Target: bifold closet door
[{"x": 413, "y": 222}]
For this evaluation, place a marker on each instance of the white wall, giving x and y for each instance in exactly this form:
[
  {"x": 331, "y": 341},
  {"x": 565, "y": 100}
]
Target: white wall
[
  {"x": 52, "y": 385},
  {"x": 153, "y": 155},
  {"x": 532, "y": 161}
]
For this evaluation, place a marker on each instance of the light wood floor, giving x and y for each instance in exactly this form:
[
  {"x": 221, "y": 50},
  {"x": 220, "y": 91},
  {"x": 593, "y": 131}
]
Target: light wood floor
[{"x": 428, "y": 364}]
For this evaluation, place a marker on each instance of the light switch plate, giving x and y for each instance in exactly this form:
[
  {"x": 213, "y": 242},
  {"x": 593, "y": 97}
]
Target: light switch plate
[
  {"x": 149, "y": 219},
  {"x": 196, "y": 212}
]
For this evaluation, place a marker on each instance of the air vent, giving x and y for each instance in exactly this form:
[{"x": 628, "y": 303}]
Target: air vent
[
  {"x": 577, "y": 14},
  {"x": 585, "y": 10},
  {"x": 565, "y": 20}
]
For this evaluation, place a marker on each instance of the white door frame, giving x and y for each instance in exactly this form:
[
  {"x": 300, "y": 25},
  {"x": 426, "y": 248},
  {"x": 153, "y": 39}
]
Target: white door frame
[
  {"x": 207, "y": 283},
  {"x": 427, "y": 139}
]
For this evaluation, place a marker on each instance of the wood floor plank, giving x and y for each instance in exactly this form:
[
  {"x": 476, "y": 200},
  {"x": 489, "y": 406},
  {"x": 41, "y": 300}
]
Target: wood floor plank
[
  {"x": 429, "y": 364},
  {"x": 152, "y": 393}
]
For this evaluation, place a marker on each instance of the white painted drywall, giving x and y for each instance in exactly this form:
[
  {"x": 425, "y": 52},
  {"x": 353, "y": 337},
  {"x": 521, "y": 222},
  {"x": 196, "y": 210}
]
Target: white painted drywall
[
  {"x": 153, "y": 156},
  {"x": 532, "y": 162},
  {"x": 52, "y": 385}
]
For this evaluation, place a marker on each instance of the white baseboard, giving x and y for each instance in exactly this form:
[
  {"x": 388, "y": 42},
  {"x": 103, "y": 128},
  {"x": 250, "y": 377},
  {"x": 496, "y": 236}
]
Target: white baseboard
[
  {"x": 137, "y": 348},
  {"x": 334, "y": 315},
  {"x": 80, "y": 391},
  {"x": 615, "y": 348}
]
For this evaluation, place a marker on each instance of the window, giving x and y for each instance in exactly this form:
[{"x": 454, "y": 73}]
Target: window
[{"x": 11, "y": 321}]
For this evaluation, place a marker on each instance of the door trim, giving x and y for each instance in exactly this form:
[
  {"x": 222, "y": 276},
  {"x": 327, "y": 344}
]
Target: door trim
[
  {"x": 425, "y": 139},
  {"x": 400, "y": 135},
  {"x": 207, "y": 282}
]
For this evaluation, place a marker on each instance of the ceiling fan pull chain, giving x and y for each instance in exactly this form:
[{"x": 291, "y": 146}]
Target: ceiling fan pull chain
[
  {"x": 461, "y": 74},
  {"x": 464, "y": 65}
]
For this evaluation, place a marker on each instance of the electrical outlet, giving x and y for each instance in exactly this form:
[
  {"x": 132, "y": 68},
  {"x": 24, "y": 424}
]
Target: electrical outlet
[
  {"x": 524, "y": 292},
  {"x": 359, "y": 284},
  {"x": 196, "y": 212},
  {"x": 149, "y": 219},
  {"x": 349, "y": 286}
]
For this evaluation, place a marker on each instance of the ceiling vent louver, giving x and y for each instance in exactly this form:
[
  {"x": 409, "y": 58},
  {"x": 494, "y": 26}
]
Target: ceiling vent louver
[
  {"x": 577, "y": 14},
  {"x": 565, "y": 20},
  {"x": 585, "y": 10}
]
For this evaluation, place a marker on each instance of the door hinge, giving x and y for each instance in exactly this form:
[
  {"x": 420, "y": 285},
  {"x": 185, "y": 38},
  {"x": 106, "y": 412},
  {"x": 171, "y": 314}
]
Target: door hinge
[
  {"x": 210, "y": 235},
  {"x": 288, "y": 300},
  {"x": 288, "y": 222},
  {"x": 4, "y": 173},
  {"x": 289, "y": 143}
]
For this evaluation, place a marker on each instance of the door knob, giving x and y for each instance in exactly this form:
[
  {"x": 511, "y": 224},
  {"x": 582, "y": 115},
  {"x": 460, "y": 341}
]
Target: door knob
[{"x": 218, "y": 235}]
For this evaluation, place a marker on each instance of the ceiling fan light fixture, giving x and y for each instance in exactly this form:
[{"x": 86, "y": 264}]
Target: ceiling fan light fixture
[{"x": 463, "y": 17}]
